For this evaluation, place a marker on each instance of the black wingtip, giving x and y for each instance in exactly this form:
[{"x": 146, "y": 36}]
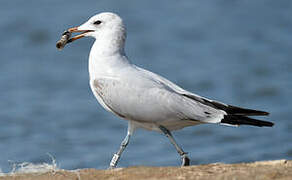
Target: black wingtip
[
  {"x": 243, "y": 120},
  {"x": 264, "y": 123},
  {"x": 270, "y": 124},
  {"x": 245, "y": 112},
  {"x": 229, "y": 109},
  {"x": 262, "y": 113}
]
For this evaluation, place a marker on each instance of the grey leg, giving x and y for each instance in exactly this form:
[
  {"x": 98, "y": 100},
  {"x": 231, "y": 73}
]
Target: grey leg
[
  {"x": 183, "y": 155},
  {"x": 123, "y": 146}
]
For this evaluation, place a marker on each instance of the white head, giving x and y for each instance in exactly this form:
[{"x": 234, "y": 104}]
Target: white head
[{"x": 107, "y": 28}]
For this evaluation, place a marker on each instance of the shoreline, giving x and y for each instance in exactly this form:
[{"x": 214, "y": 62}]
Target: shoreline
[{"x": 276, "y": 169}]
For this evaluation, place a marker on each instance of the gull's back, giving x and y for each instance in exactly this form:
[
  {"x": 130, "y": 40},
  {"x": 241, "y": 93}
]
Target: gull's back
[{"x": 150, "y": 100}]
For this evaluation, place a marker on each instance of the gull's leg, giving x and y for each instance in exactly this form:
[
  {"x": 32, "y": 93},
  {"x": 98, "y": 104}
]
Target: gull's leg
[
  {"x": 124, "y": 144},
  {"x": 183, "y": 155}
]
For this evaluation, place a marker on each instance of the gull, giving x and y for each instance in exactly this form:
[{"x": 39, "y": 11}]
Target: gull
[{"x": 143, "y": 98}]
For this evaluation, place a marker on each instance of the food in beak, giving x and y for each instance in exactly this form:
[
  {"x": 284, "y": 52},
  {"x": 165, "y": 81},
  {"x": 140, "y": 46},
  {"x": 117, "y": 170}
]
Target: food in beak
[
  {"x": 64, "y": 40},
  {"x": 66, "y": 37}
]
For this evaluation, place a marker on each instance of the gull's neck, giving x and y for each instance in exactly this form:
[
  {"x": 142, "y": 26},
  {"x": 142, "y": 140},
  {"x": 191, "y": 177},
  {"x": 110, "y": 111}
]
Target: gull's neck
[
  {"x": 110, "y": 42},
  {"x": 107, "y": 55}
]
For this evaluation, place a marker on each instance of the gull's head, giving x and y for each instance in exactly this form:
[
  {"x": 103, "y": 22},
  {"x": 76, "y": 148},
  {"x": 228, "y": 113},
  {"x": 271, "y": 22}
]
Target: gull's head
[{"x": 103, "y": 26}]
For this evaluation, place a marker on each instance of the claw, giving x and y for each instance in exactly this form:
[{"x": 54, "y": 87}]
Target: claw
[{"x": 185, "y": 160}]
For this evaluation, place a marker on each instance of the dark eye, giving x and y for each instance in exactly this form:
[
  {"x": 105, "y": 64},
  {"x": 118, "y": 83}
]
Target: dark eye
[{"x": 97, "y": 22}]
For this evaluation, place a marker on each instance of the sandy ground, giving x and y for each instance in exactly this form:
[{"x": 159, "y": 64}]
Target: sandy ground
[{"x": 279, "y": 169}]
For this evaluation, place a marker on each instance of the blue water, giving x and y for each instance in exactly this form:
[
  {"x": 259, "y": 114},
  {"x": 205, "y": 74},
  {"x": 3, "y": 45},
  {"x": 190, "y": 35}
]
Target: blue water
[{"x": 238, "y": 52}]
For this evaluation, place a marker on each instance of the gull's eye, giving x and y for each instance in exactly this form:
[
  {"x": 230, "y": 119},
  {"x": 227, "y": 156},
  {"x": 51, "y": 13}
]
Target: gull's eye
[{"x": 97, "y": 22}]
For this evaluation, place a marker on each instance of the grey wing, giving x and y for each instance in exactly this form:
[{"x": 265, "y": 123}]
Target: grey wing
[
  {"x": 229, "y": 109},
  {"x": 146, "y": 100}
]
